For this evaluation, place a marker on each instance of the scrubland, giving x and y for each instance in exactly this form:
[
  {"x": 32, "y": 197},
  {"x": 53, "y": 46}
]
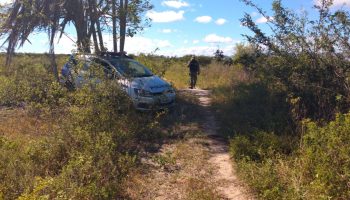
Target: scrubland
[{"x": 88, "y": 143}]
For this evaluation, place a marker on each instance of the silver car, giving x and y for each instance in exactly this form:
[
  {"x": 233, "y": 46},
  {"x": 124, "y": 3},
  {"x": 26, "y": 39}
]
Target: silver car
[{"x": 146, "y": 90}]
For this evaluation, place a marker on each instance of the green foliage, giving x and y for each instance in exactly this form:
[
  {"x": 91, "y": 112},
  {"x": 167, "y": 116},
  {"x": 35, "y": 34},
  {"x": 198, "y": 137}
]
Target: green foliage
[
  {"x": 325, "y": 154},
  {"x": 219, "y": 55},
  {"x": 158, "y": 64},
  {"x": 308, "y": 57},
  {"x": 247, "y": 56},
  {"x": 304, "y": 63},
  {"x": 263, "y": 179},
  {"x": 90, "y": 152},
  {"x": 252, "y": 107},
  {"x": 12, "y": 172},
  {"x": 259, "y": 146},
  {"x": 28, "y": 83},
  {"x": 276, "y": 168}
]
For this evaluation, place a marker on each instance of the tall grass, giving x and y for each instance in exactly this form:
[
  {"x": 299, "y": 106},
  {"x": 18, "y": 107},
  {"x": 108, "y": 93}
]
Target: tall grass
[
  {"x": 279, "y": 156},
  {"x": 82, "y": 144},
  {"x": 76, "y": 145}
]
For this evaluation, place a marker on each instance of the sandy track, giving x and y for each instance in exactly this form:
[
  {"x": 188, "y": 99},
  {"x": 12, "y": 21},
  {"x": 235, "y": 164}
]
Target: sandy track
[{"x": 228, "y": 184}]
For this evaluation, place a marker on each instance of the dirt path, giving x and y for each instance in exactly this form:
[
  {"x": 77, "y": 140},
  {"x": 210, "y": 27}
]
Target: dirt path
[
  {"x": 229, "y": 186},
  {"x": 194, "y": 164}
]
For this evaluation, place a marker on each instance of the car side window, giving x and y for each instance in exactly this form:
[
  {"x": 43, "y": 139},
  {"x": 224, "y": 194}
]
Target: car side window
[{"x": 109, "y": 72}]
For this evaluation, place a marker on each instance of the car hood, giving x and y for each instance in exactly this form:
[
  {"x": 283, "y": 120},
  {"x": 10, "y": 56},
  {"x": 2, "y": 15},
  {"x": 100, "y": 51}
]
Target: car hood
[{"x": 153, "y": 84}]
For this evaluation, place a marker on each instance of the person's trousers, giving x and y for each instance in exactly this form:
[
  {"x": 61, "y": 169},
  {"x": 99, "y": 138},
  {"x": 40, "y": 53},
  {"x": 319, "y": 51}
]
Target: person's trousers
[{"x": 193, "y": 81}]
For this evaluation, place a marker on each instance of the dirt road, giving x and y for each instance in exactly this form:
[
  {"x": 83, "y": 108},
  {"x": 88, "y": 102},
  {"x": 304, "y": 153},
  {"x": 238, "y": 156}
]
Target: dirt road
[
  {"x": 196, "y": 166},
  {"x": 229, "y": 186}
]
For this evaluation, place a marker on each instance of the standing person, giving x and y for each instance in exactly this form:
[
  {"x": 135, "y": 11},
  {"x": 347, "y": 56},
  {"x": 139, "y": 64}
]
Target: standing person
[{"x": 193, "y": 65}]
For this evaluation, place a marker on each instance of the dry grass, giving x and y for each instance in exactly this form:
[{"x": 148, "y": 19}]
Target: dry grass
[
  {"x": 214, "y": 75},
  {"x": 178, "y": 171},
  {"x": 19, "y": 125}
]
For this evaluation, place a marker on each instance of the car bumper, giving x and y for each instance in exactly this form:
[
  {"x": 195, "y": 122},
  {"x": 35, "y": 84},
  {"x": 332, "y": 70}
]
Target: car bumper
[{"x": 155, "y": 102}]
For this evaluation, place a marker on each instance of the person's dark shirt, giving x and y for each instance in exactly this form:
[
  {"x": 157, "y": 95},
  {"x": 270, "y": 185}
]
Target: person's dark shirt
[{"x": 194, "y": 66}]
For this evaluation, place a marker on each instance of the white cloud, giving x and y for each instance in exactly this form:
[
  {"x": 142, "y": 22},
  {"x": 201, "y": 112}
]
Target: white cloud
[
  {"x": 175, "y": 4},
  {"x": 213, "y": 38},
  {"x": 140, "y": 44},
  {"x": 162, "y": 43},
  {"x": 166, "y": 16},
  {"x": 5, "y": 2},
  {"x": 220, "y": 21},
  {"x": 263, "y": 20},
  {"x": 336, "y": 3},
  {"x": 40, "y": 44},
  {"x": 203, "y": 19},
  {"x": 200, "y": 50},
  {"x": 167, "y": 31},
  {"x": 195, "y": 41},
  {"x": 254, "y": 14}
]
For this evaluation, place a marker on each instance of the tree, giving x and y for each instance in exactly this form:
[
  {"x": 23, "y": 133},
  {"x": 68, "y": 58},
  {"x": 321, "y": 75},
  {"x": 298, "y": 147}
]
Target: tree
[
  {"x": 310, "y": 58},
  {"x": 123, "y": 12},
  {"x": 219, "y": 55},
  {"x": 246, "y": 55},
  {"x": 23, "y": 17},
  {"x": 114, "y": 26},
  {"x": 131, "y": 18}
]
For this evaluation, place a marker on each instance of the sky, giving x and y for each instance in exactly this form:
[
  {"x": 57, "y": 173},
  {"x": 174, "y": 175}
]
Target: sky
[{"x": 181, "y": 27}]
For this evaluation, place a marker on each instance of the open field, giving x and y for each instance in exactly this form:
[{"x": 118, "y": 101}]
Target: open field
[{"x": 62, "y": 144}]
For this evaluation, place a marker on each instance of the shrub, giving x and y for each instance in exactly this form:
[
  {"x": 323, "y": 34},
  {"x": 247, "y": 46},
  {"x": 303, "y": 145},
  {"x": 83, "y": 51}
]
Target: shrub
[
  {"x": 89, "y": 154},
  {"x": 254, "y": 107},
  {"x": 256, "y": 147},
  {"x": 318, "y": 169},
  {"x": 325, "y": 154},
  {"x": 95, "y": 170},
  {"x": 31, "y": 85},
  {"x": 263, "y": 178}
]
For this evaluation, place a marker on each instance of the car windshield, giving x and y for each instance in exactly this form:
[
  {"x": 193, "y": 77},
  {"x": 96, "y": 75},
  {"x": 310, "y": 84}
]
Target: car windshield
[{"x": 130, "y": 68}]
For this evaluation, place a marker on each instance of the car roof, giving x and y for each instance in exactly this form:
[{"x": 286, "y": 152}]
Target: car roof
[
  {"x": 104, "y": 56},
  {"x": 108, "y": 55}
]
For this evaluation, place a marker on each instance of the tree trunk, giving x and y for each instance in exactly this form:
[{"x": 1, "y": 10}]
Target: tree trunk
[
  {"x": 98, "y": 26},
  {"x": 94, "y": 36},
  {"x": 80, "y": 19},
  {"x": 122, "y": 22},
  {"x": 53, "y": 63},
  {"x": 100, "y": 37},
  {"x": 92, "y": 31},
  {"x": 114, "y": 21},
  {"x": 83, "y": 40}
]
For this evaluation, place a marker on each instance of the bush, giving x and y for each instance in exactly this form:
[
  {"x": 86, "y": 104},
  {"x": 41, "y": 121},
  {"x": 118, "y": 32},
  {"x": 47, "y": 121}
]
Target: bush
[
  {"x": 263, "y": 179},
  {"x": 259, "y": 146},
  {"x": 31, "y": 85},
  {"x": 325, "y": 154},
  {"x": 277, "y": 168},
  {"x": 87, "y": 157},
  {"x": 254, "y": 107},
  {"x": 95, "y": 170}
]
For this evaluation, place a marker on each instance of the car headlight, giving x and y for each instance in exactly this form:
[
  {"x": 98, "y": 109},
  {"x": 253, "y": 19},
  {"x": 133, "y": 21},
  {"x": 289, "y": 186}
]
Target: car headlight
[{"x": 142, "y": 92}]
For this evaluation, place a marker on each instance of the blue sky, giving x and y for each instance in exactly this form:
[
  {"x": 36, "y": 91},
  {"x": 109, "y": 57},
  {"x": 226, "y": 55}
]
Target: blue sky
[{"x": 182, "y": 27}]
